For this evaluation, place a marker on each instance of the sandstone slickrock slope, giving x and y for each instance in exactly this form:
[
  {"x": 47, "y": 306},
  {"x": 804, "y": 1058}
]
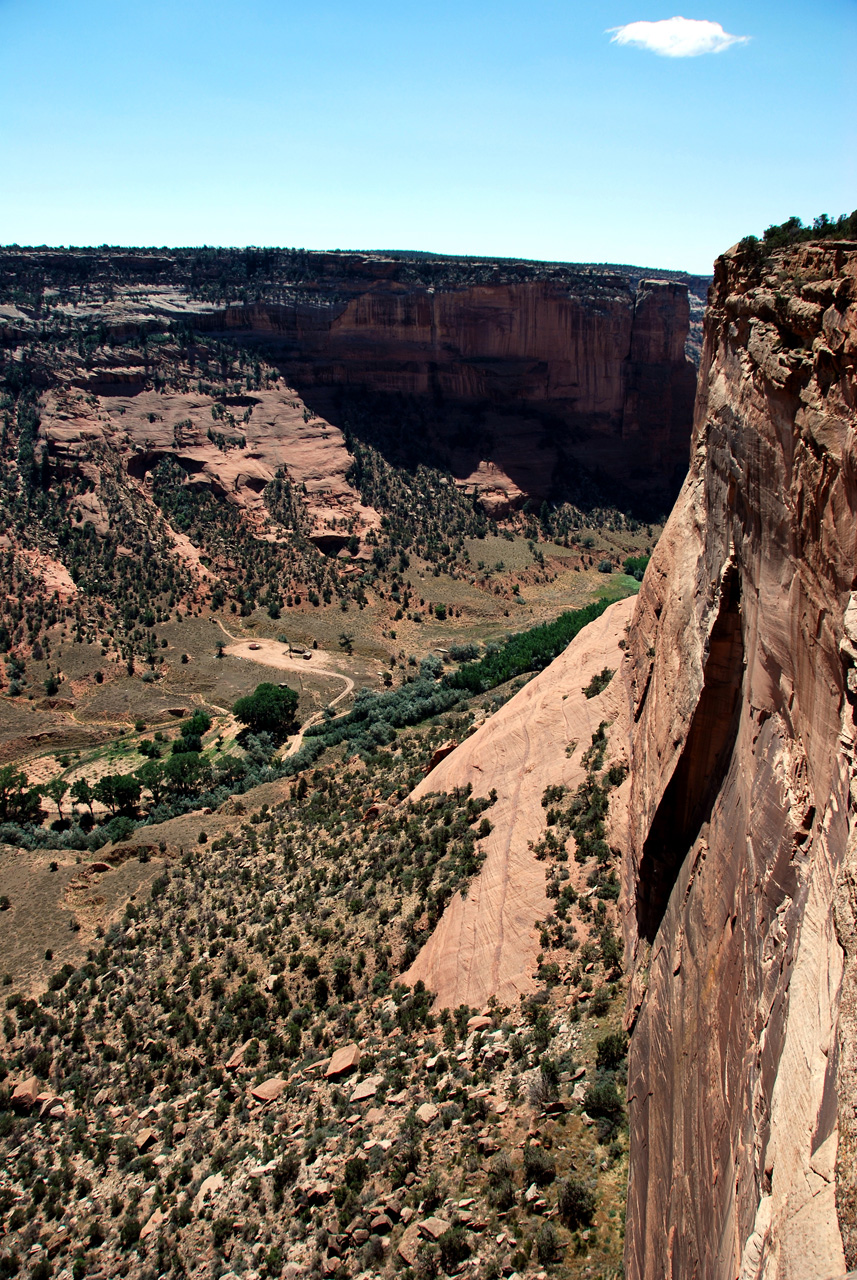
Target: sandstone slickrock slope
[
  {"x": 741, "y": 878},
  {"x": 486, "y": 944},
  {"x": 85, "y": 418},
  {"x": 525, "y": 378}
]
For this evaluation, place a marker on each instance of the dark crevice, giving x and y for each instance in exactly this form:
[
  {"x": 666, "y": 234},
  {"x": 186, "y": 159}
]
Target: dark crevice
[{"x": 690, "y": 794}]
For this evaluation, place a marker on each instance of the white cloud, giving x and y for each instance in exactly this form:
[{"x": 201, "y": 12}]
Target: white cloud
[{"x": 676, "y": 37}]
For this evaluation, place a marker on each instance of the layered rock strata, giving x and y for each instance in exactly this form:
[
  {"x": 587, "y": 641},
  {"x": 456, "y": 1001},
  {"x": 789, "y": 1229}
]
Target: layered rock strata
[
  {"x": 740, "y": 883},
  {"x": 522, "y": 384},
  {"x": 525, "y": 379}
]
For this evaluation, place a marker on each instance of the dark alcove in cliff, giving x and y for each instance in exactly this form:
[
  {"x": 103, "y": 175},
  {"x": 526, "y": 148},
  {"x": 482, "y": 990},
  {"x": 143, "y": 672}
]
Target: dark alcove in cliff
[{"x": 686, "y": 804}]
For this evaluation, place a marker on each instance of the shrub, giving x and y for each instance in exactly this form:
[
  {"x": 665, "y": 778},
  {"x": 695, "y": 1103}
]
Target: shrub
[
  {"x": 221, "y": 1230},
  {"x": 129, "y": 1232},
  {"x": 599, "y": 683},
  {"x": 576, "y": 1202},
  {"x": 603, "y": 1103},
  {"x": 610, "y": 1050},
  {"x": 600, "y": 1003},
  {"x": 286, "y": 1171},
  {"x": 547, "y": 1244},
  {"x": 605, "y": 566},
  {"x": 454, "y": 1248},
  {"x": 539, "y": 1166},
  {"x": 355, "y": 1173}
]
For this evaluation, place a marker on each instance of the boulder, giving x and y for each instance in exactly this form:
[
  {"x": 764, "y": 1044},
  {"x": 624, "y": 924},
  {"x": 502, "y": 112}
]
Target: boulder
[
  {"x": 268, "y": 1090},
  {"x": 427, "y": 1113},
  {"x": 151, "y": 1226},
  {"x": 237, "y": 1058},
  {"x": 433, "y": 1228},
  {"x": 409, "y": 1243},
  {"x": 25, "y": 1094},
  {"x": 440, "y": 753},
  {"x": 345, "y": 1059},
  {"x": 145, "y": 1140},
  {"x": 316, "y": 1068},
  {"x": 479, "y": 1023},
  {"x": 366, "y": 1089},
  {"x": 208, "y": 1189},
  {"x": 50, "y": 1107}
]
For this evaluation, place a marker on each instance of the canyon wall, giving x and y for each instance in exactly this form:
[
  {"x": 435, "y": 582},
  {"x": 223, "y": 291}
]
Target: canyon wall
[
  {"x": 526, "y": 380},
  {"x": 518, "y": 386},
  {"x": 740, "y": 891}
]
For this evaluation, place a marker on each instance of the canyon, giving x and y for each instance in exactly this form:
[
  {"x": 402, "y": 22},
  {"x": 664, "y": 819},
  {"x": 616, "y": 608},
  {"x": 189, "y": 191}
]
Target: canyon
[
  {"x": 524, "y": 380},
  {"x": 448, "y": 893}
]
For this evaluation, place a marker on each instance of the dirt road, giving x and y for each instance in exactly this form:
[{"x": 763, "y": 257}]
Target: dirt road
[{"x": 271, "y": 653}]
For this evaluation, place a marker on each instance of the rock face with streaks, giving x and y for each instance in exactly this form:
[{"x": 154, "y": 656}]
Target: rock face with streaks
[
  {"x": 522, "y": 383},
  {"x": 527, "y": 380},
  {"x": 486, "y": 943},
  {"x": 740, "y": 885}
]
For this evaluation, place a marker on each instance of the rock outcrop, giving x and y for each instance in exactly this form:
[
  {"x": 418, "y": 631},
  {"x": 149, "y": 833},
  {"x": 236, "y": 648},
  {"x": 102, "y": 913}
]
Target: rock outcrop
[
  {"x": 741, "y": 676},
  {"x": 486, "y": 942},
  {"x": 144, "y": 426}
]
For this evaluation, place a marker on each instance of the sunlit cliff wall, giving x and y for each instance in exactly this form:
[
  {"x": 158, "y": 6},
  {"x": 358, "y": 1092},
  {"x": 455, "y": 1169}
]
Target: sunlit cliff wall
[{"x": 741, "y": 879}]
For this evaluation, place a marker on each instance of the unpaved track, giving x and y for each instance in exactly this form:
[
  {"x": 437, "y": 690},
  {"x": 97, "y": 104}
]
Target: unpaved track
[{"x": 270, "y": 653}]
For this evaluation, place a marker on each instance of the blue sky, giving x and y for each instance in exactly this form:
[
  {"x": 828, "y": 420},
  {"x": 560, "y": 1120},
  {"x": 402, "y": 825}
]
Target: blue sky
[{"x": 467, "y": 127}]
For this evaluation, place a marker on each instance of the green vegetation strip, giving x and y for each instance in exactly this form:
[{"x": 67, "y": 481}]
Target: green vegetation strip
[
  {"x": 530, "y": 651},
  {"x": 189, "y": 779}
]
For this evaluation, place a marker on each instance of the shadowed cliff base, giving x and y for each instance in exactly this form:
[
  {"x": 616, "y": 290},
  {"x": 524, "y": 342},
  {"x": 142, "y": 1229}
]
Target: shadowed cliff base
[
  {"x": 508, "y": 458},
  {"x": 695, "y": 784}
]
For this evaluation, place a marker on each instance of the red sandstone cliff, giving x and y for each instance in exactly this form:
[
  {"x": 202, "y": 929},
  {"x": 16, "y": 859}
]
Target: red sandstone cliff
[
  {"x": 742, "y": 834},
  {"x": 521, "y": 381},
  {"x": 526, "y": 379},
  {"x": 740, "y": 874}
]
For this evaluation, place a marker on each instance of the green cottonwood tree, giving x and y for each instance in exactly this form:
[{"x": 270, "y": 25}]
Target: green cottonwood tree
[{"x": 270, "y": 709}]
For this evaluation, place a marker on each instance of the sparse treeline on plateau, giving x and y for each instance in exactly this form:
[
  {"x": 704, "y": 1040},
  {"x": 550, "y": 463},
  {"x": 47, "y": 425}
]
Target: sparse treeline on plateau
[{"x": 793, "y": 231}]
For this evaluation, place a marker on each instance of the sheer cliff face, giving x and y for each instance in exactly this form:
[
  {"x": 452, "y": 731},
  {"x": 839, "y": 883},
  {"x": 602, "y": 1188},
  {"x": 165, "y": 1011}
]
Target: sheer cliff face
[
  {"x": 740, "y": 883},
  {"x": 521, "y": 382},
  {"x": 525, "y": 379}
]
